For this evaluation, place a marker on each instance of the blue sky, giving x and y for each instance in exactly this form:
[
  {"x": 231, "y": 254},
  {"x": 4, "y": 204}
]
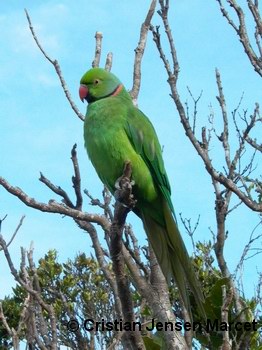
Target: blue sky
[{"x": 38, "y": 128}]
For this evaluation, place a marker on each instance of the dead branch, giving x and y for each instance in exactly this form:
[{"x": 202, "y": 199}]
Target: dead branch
[
  {"x": 98, "y": 50},
  {"x": 217, "y": 178},
  {"x": 116, "y": 231},
  {"x": 229, "y": 183},
  {"x": 139, "y": 51},
  {"x": 76, "y": 179},
  {"x": 1, "y": 221},
  {"x": 202, "y": 151},
  {"x": 254, "y": 144},
  {"x": 134, "y": 249},
  {"x": 189, "y": 229},
  {"x": 96, "y": 61},
  {"x": 157, "y": 296},
  {"x": 224, "y": 138},
  {"x": 25, "y": 281},
  {"x": 57, "y": 69},
  {"x": 11, "y": 331},
  {"x": 15, "y": 334},
  {"x": 241, "y": 30},
  {"x": 259, "y": 290},
  {"x": 53, "y": 206},
  {"x": 227, "y": 300},
  {"x": 160, "y": 290},
  {"x": 248, "y": 248},
  {"x": 242, "y": 138},
  {"x": 16, "y": 230},
  {"x": 195, "y": 101},
  {"x": 109, "y": 59},
  {"x": 83, "y": 220},
  {"x": 100, "y": 256},
  {"x": 115, "y": 342},
  {"x": 201, "y": 147}
]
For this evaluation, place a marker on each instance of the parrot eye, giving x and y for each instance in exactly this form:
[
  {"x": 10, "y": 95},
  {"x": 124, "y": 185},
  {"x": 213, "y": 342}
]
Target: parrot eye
[{"x": 96, "y": 81}]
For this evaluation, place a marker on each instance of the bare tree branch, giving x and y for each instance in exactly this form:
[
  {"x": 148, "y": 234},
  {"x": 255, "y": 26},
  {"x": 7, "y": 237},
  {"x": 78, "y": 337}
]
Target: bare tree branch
[
  {"x": 201, "y": 147},
  {"x": 96, "y": 61},
  {"x": 225, "y": 134},
  {"x": 139, "y": 51},
  {"x": 241, "y": 30},
  {"x": 228, "y": 182},
  {"x": 195, "y": 100},
  {"x": 76, "y": 179},
  {"x": 57, "y": 69},
  {"x": 1, "y": 220},
  {"x": 227, "y": 300},
  {"x": 53, "y": 206},
  {"x": 254, "y": 143},
  {"x": 4, "y": 321},
  {"x": 109, "y": 59},
  {"x": 16, "y": 230},
  {"x": 247, "y": 248},
  {"x": 156, "y": 294},
  {"x": 189, "y": 229},
  {"x": 116, "y": 230},
  {"x": 26, "y": 283}
]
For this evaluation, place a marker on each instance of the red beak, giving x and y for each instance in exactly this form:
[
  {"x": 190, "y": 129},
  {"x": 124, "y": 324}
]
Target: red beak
[{"x": 83, "y": 92}]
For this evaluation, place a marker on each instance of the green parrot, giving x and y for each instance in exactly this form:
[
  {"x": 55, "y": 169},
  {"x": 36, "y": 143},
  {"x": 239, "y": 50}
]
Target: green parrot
[{"x": 115, "y": 131}]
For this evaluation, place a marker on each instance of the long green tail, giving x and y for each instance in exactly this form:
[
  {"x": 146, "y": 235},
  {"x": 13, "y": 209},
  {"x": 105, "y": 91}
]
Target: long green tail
[{"x": 172, "y": 256}]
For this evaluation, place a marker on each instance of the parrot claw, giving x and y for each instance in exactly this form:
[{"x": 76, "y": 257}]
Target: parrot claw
[
  {"x": 123, "y": 187},
  {"x": 117, "y": 183},
  {"x": 128, "y": 184}
]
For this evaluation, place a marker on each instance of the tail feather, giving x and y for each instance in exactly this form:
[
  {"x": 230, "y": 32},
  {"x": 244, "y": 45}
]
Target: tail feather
[
  {"x": 172, "y": 256},
  {"x": 157, "y": 238}
]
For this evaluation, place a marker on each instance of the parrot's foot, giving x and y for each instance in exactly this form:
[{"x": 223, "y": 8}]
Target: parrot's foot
[
  {"x": 119, "y": 181},
  {"x": 123, "y": 187}
]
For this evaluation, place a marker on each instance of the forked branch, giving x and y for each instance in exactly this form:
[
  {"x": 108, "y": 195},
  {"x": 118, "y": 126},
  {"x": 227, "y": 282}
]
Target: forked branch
[{"x": 241, "y": 29}]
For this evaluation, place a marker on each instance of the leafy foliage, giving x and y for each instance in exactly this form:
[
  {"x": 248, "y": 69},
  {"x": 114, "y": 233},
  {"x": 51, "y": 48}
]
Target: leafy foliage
[{"x": 12, "y": 307}]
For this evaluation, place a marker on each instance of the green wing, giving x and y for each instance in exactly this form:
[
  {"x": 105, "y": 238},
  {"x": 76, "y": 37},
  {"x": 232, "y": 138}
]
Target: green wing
[
  {"x": 165, "y": 239},
  {"x": 144, "y": 140}
]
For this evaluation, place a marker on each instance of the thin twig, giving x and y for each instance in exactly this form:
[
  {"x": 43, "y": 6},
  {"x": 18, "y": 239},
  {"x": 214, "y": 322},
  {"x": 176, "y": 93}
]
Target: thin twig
[
  {"x": 76, "y": 179},
  {"x": 224, "y": 138},
  {"x": 1, "y": 220},
  {"x": 247, "y": 248},
  {"x": 195, "y": 100},
  {"x": 96, "y": 61},
  {"x": 56, "y": 189},
  {"x": 109, "y": 59},
  {"x": 16, "y": 230},
  {"x": 241, "y": 30},
  {"x": 139, "y": 51},
  {"x": 57, "y": 69},
  {"x": 254, "y": 144}
]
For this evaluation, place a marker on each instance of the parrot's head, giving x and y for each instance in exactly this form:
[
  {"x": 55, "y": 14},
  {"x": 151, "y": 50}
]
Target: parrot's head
[{"x": 97, "y": 83}]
